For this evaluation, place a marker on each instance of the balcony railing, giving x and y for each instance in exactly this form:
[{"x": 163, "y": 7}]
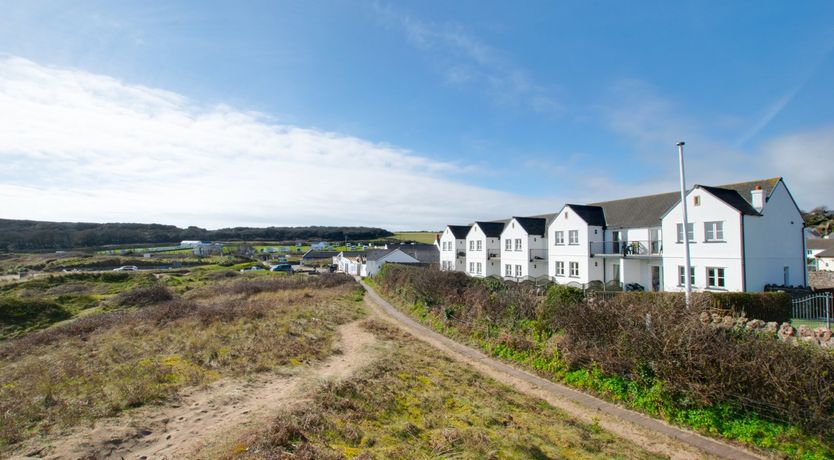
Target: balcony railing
[
  {"x": 494, "y": 254},
  {"x": 461, "y": 254},
  {"x": 538, "y": 255},
  {"x": 627, "y": 248}
]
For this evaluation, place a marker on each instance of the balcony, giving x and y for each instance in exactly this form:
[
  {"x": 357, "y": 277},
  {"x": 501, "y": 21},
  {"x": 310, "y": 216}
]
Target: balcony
[
  {"x": 633, "y": 248},
  {"x": 494, "y": 255},
  {"x": 461, "y": 254},
  {"x": 538, "y": 255}
]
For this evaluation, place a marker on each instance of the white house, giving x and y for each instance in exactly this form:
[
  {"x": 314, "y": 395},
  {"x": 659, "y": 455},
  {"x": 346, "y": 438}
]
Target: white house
[
  {"x": 404, "y": 254},
  {"x": 825, "y": 260},
  {"x": 524, "y": 248},
  {"x": 452, "y": 246},
  {"x": 742, "y": 237},
  {"x": 483, "y": 249},
  {"x": 575, "y": 236},
  {"x": 815, "y": 246},
  {"x": 320, "y": 246}
]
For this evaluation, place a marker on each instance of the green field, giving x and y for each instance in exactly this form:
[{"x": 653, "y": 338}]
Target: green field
[{"x": 420, "y": 237}]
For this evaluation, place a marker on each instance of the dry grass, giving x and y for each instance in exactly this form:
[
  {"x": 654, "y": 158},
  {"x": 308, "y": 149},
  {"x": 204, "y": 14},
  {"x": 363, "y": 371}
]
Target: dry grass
[
  {"x": 100, "y": 365},
  {"x": 414, "y": 404}
]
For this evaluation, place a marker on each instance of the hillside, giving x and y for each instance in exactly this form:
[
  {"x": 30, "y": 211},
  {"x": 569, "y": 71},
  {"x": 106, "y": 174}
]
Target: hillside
[{"x": 28, "y": 235}]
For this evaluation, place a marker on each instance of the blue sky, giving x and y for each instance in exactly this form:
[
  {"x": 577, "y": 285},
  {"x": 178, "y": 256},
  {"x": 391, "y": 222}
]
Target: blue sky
[{"x": 402, "y": 114}]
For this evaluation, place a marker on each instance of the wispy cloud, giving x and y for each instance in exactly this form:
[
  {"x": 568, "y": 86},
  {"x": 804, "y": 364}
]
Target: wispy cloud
[
  {"x": 81, "y": 146},
  {"x": 465, "y": 60}
]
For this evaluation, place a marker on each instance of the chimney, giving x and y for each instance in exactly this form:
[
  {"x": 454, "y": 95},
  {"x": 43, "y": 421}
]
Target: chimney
[{"x": 758, "y": 198}]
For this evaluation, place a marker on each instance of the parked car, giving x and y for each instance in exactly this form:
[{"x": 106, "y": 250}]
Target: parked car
[
  {"x": 126, "y": 268},
  {"x": 252, "y": 269},
  {"x": 281, "y": 268}
]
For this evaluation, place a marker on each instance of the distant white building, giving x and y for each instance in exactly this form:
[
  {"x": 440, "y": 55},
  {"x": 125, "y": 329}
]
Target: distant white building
[
  {"x": 814, "y": 247},
  {"x": 452, "y": 247},
  {"x": 190, "y": 243},
  {"x": 483, "y": 249},
  {"x": 321, "y": 245}
]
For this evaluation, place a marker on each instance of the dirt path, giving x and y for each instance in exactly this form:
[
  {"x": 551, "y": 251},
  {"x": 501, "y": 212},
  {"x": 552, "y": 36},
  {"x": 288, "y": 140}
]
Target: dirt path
[
  {"x": 206, "y": 417},
  {"x": 651, "y": 434}
]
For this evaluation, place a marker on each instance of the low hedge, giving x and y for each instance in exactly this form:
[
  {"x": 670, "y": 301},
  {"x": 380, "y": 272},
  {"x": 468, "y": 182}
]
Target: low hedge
[{"x": 766, "y": 306}]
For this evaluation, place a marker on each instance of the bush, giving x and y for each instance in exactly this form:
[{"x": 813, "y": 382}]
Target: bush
[
  {"x": 25, "y": 313},
  {"x": 766, "y": 306},
  {"x": 144, "y": 296}
]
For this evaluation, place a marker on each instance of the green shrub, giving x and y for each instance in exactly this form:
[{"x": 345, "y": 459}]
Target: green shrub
[
  {"x": 766, "y": 306},
  {"x": 21, "y": 314}
]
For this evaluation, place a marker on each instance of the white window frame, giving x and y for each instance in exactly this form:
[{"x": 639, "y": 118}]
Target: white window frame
[
  {"x": 508, "y": 269},
  {"x": 471, "y": 245},
  {"x": 471, "y": 267},
  {"x": 690, "y": 226},
  {"x": 518, "y": 244},
  {"x": 573, "y": 237},
  {"x": 479, "y": 267},
  {"x": 559, "y": 238},
  {"x": 714, "y": 231},
  {"x": 508, "y": 244},
  {"x": 518, "y": 271},
  {"x": 716, "y": 277},
  {"x": 560, "y": 268},
  {"x": 574, "y": 269},
  {"x": 682, "y": 280},
  {"x": 479, "y": 245}
]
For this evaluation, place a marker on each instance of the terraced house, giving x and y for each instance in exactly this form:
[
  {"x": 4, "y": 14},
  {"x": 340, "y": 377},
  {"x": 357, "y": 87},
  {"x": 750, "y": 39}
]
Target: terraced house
[
  {"x": 452, "y": 246},
  {"x": 483, "y": 249},
  {"x": 742, "y": 237}
]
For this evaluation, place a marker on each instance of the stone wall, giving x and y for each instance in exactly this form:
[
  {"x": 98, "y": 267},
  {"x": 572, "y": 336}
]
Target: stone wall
[
  {"x": 820, "y": 279},
  {"x": 820, "y": 336}
]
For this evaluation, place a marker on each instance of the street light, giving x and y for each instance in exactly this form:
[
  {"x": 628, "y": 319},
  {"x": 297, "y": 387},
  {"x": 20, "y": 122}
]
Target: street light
[{"x": 687, "y": 262}]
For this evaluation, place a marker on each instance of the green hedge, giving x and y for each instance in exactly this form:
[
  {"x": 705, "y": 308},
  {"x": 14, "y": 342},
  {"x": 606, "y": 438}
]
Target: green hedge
[{"x": 766, "y": 306}]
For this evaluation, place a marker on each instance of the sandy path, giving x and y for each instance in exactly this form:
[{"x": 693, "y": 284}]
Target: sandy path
[
  {"x": 206, "y": 417},
  {"x": 651, "y": 434}
]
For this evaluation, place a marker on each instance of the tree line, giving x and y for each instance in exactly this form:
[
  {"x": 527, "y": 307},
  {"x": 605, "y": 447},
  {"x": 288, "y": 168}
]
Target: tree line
[{"x": 23, "y": 235}]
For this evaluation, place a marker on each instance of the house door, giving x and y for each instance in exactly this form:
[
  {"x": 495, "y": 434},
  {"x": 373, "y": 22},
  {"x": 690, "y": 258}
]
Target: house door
[
  {"x": 615, "y": 237},
  {"x": 656, "y": 282}
]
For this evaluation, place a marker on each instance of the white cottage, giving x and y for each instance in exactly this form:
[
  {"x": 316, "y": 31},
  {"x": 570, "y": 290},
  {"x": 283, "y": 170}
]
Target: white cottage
[
  {"x": 452, "y": 246},
  {"x": 483, "y": 249},
  {"x": 524, "y": 248}
]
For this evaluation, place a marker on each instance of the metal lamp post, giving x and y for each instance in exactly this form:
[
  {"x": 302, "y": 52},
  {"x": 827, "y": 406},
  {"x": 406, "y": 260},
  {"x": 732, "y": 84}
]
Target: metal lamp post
[{"x": 687, "y": 262}]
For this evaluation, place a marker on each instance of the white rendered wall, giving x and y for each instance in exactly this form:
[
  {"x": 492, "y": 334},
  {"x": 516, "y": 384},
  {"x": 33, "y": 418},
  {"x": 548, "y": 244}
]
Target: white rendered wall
[
  {"x": 489, "y": 267},
  {"x": 579, "y": 253},
  {"x": 514, "y": 258},
  {"x": 450, "y": 254}
]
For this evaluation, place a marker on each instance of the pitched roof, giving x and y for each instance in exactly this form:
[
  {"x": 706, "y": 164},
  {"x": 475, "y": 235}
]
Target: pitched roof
[
  {"x": 459, "y": 231},
  {"x": 425, "y": 255},
  {"x": 491, "y": 229},
  {"x": 826, "y": 254},
  {"x": 732, "y": 198},
  {"x": 311, "y": 254},
  {"x": 820, "y": 243},
  {"x": 592, "y": 215},
  {"x": 532, "y": 225},
  {"x": 376, "y": 254},
  {"x": 647, "y": 211},
  {"x": 352, "y": 253}
]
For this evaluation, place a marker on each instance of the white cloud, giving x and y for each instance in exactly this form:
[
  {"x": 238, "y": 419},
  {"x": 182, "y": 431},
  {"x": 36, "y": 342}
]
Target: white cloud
[{"x": 80, "y": 146}]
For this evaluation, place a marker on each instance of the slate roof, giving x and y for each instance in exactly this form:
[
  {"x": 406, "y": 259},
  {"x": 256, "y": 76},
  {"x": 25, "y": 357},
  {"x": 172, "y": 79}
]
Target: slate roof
[
  {"x": 820, "y": 243},
  {"x": 827, "y": 253},
  {"x": 425, "y": 255},
  {"x": 460, "y": 231},
  {"x": 532, "y": 225},
  {"x": 646, "y": 211},
  {"x": 352, "y": 253},
  {"x": 592, "y": 215},
  {"x": 491, "y": 229},
  {"x": 732, "y": 198},
  {"x": 376, "y": 254}
]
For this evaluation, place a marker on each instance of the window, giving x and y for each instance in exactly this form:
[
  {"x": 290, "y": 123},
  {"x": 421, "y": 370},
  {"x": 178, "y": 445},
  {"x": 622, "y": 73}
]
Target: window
[
  {"x": 715, "y": 277},
  {"x": 471, "y": 267},
  {"x": 573, "y": 237},
  {"x": 518, "y": 244},
  {"x": 479, "y": 268},
  {"x": 508, "y": 244},
  {"x": 518, "y": 271},
  {"x": 479, "y": 245},
  {"x": 714, "y": 231},
  {"x": 690, "y": 231},
  {"x": 508, "y": 269},
  {"x": 472, "y": 245},
  {"x": 560, "y": 268},
  {"x": 682, "y": 280},
  {"x": 559, "y": 238},
  {"x": 696, "y": 200},
  {"x": 574, "y": 269}
]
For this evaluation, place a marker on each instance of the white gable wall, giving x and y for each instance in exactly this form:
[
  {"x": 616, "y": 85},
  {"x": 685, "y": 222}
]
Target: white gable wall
[
  {"x": 589, "y": 269},
  {"x": 773, "y": 242},
  {"x": 489, "y": 267},
  {"x": 530, "y": 245},
  {"x": 449, "y": 255},
  {"x": 373, "y": 266},
  {"x": 724, "y": 254}
]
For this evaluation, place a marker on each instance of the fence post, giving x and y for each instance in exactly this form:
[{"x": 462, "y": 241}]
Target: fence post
[{"x": 828, "y": 309}]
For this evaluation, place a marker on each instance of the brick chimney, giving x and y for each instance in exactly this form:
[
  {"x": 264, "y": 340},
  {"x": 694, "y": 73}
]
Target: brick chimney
[{"x": 758, "y": 198}]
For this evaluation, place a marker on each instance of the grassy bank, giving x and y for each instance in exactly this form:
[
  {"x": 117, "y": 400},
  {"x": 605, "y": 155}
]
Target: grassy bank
[
  {"x": 414, "y": 404},
  {"x": 516, "y": 324},
  {"x": 145, "y": 349}
]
